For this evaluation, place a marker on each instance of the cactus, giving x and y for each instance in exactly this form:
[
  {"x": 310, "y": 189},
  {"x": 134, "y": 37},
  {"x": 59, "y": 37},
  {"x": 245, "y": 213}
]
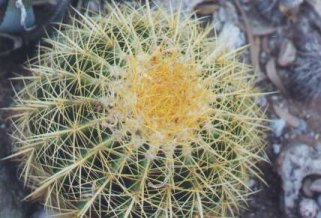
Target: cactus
[{"x": 139, "y": 113}]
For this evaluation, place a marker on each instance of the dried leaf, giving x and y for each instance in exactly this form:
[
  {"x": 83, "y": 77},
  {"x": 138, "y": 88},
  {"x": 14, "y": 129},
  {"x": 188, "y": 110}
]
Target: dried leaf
[
  {"x": 290, "y": 8},
  {"x": 254, "y": 50},
  {"x": 255, "y": 54},
  {"x": 287, "y": 54},
  {"x": 286, "y": 116},
  {"x": 206, "y": 8},
  {"x": 273, "y": 75},
  {"x": 262, "y": 30}
]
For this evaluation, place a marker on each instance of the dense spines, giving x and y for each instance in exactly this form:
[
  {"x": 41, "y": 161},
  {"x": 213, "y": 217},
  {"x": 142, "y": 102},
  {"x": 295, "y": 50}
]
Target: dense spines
[{"x": 102, "y": 130}]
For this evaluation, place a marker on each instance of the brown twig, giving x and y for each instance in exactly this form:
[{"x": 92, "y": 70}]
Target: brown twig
[{"x": 249, "y": 33}]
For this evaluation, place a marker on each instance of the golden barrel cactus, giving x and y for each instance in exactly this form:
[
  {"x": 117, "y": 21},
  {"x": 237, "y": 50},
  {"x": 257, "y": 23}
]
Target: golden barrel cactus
[{"x": 139, "y": 113}]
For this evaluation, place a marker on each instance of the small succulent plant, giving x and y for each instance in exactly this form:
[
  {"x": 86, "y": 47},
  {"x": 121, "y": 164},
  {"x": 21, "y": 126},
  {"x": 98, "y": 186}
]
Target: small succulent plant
[{"x": 139, "y": 113}]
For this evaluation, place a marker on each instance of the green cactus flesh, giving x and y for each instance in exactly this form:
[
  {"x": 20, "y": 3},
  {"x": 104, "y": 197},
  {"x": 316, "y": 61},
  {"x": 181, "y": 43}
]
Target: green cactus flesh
[{"x": 139, "y": 113}]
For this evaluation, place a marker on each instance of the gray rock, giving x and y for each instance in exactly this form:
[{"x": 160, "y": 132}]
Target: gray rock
[
  {"x": 308, "y": 208},
  {"x": 294, "y": 164},
  {"x": 40, "y": 214},
  {"x": 278, "y": 126},
  {"x": 261, "y": 101},
  {"x": 319, "y": 201},
  {"x": 276, "y": 148},
  {"x": 226, "y": 23},
  {"x": 95, "y": 5},
  {"x": 252, "y": 184},
  {"x": 46, "y": 214},
  {"x": 185, "y": 5}
]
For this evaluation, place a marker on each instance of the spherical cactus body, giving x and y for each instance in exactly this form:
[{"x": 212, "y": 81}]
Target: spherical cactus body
[{"x": 138, "y": 113}]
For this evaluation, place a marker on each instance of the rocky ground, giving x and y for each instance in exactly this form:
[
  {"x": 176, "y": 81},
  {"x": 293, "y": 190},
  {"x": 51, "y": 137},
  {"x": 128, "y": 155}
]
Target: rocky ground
[
  {"x": 285, "y": 50},
  {"x": 11, "y": 190}
]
